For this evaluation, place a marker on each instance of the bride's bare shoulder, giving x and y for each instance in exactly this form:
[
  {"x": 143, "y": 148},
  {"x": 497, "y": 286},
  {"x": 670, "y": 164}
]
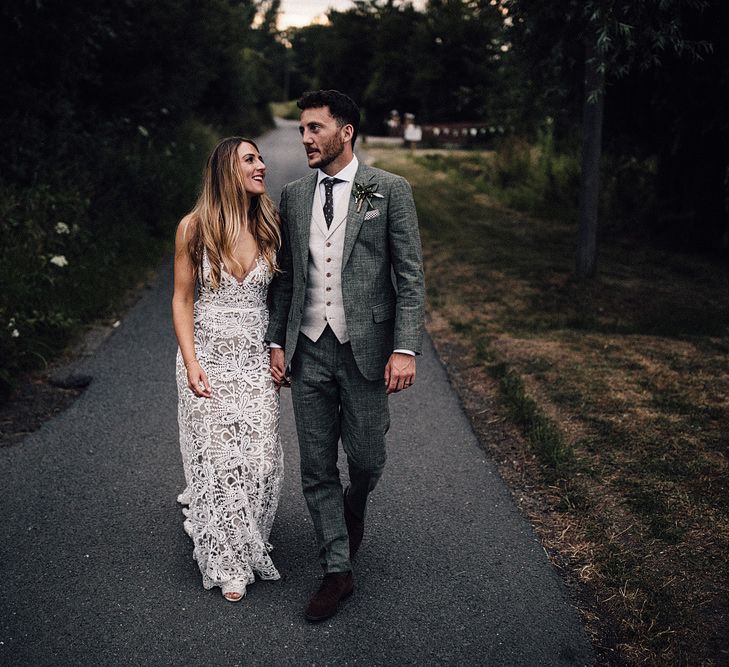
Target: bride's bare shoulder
[{"x": 185, "y": 228}]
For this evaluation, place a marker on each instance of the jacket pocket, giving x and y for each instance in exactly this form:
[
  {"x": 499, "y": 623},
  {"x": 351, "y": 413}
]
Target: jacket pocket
[{"x": 383, "y": 311}]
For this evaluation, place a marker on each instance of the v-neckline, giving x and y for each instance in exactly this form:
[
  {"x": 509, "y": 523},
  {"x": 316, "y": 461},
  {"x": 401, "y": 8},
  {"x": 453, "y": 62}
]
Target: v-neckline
[{"x": 252, "y": 266}]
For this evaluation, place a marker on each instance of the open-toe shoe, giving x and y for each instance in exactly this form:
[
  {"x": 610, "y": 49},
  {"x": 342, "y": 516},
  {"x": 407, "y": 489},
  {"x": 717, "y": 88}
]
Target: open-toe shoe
[{"x": 233, "y": 590}]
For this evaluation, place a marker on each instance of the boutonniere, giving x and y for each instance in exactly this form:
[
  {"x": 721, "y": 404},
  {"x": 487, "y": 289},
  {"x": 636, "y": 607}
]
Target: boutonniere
[{"x": 365, "y": 193}]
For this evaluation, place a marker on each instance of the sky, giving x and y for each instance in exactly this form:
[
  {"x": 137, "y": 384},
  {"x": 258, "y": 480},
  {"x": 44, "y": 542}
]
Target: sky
[{"x": 303, "y": 12}]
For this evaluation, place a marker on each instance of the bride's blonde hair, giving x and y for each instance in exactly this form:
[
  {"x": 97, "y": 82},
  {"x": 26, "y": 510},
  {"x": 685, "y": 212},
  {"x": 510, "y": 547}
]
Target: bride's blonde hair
[{"x": 224, "y": 208}]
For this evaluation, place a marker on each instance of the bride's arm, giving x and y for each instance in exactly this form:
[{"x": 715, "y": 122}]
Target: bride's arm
[{"x": 182, "y": 312}]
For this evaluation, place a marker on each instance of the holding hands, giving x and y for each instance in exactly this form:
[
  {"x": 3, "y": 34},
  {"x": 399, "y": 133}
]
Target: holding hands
[
  {"x": 399, "y": 372},
  {"x": 278, "y": 368}
]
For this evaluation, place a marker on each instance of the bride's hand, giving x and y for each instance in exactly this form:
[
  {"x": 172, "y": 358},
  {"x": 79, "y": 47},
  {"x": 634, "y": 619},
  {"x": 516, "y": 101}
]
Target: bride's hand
[
  {"x": 197, "y": 380},
  {"x": 278, "y": 368}
]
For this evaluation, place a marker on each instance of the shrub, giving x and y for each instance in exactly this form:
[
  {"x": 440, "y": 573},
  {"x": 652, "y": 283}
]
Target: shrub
[{"x": 74, "y": 246}]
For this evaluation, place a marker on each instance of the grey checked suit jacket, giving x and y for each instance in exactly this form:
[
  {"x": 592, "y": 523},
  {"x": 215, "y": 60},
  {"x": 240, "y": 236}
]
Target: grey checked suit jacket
[{"x": 381, "y": 317}]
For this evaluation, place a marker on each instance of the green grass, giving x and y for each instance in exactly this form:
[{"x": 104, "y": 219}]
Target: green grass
[
  {"x": 545, "y": 437},
  {"x": 286, "y": 110},
  {"x": 620, "y": 386}
]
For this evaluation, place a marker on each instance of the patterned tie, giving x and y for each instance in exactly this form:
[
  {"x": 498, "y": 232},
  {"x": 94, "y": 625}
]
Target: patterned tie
[{"x": 329, "y": 182}]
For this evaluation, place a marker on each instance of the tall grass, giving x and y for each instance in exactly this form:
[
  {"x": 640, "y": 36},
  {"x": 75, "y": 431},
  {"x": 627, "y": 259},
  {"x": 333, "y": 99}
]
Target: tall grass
[{"x": 543, "y": 181}]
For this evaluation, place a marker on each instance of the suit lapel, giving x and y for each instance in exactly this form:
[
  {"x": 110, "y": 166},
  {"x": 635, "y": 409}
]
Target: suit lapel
[
  {"x": 303, "y": 217},
  {"x": 317, "y": 213},
  {"x": 363, "y": 176}
]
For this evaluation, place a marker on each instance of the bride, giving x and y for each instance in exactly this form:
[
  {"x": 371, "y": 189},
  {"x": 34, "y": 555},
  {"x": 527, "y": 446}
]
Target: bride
[{"x": 228, "y": 403}]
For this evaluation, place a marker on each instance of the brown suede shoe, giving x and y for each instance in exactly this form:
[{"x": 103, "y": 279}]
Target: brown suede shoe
[
  {"x": 355, "y": 528},
  {"x": 335, "y": 586}
]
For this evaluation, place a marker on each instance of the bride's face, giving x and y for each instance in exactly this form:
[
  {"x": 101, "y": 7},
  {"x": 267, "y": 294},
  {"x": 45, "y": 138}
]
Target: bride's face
[{"x": 253, "y": 169}]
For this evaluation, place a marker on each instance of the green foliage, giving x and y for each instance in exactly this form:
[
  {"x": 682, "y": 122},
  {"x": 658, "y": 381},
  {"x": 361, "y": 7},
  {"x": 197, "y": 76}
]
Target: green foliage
[
  {"x": 112, "y": 108},
  {"x": 627, "y": 36},
  {"x": 287, "y": 110},
  {"x": 514, "y": 63},
  {"x": 539, "y": 180},
  {"x": 458, "y": 72},
  {"x": 544, "y": 436},
  {"x": 444, "y": 62},
  {"x": 664, "y": 62},
  {"x": 70, "y": 253}
]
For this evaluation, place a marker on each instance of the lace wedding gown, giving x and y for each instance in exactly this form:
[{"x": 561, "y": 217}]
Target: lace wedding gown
[{"x": 230, "y": 443}]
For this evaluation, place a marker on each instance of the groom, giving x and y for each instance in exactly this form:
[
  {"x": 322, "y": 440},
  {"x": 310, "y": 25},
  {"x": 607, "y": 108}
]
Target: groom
[{"x": 346, "y": 323}]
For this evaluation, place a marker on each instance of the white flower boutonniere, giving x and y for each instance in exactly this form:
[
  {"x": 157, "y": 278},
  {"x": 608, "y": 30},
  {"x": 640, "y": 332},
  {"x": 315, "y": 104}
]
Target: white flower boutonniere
[{"x": 365, "y": 193}]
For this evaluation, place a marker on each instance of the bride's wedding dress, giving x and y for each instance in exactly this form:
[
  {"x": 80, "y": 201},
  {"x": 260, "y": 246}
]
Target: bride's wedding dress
[{"x": 230, "y": 443}]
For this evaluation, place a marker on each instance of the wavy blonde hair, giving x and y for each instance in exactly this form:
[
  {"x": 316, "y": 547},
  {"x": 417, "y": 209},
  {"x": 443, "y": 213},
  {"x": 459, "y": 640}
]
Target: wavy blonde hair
[{"x": 224, "y": 208}]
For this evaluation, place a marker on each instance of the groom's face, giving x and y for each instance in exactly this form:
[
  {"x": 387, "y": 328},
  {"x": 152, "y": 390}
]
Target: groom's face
[{"x": 323, "y": 140}]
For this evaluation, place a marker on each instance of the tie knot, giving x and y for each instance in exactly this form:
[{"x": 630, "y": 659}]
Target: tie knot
[{"x": 330, "y": 181}]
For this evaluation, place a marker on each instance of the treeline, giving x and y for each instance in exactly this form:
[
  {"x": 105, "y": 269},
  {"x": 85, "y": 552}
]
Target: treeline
[
  {"x": 656, "y": 92},
  {"x": 444, "y": 62},
  {"x": 109, "y": 109}
]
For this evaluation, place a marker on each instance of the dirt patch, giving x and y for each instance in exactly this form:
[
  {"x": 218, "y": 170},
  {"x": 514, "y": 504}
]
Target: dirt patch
[{"x": 628, "y": 375}]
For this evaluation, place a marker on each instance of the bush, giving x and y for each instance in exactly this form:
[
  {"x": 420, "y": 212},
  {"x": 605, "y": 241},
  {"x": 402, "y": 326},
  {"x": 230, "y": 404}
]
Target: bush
[
  {"x": 109, "y": 109},
  {"x": 73, "y": 248},
  {"x": 538, "y": 180}
]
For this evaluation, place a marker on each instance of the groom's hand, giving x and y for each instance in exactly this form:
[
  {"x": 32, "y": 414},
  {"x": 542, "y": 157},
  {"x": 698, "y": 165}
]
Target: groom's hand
[
  {"x": 278, "y": 367},
  {"x": 399, "y": 372}
]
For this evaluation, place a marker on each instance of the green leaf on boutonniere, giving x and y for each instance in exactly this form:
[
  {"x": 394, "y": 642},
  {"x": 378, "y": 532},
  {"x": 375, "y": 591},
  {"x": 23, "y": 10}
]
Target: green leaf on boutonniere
[{"x": 365, "y": 193}]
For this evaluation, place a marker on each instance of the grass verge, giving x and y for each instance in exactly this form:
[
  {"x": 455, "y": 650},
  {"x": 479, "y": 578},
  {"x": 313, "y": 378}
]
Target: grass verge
[{"x": 620, "y": 388}]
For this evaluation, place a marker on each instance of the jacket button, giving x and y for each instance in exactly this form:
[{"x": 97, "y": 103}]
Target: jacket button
[
  {"x": 329, "y": 289},
  {"x": 329, "y": 275},
  {"x": 329, "y": 243},
  {"x": 329, "y": 303},
  {"x": 329, "y": 259}
]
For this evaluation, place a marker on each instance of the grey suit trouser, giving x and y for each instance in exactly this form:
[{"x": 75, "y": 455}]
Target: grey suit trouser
[{"x": 333, "y": 400}]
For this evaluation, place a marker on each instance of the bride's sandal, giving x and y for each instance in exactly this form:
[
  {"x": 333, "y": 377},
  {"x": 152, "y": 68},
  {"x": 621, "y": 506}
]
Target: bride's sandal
[{"x": 233, "y": 590}]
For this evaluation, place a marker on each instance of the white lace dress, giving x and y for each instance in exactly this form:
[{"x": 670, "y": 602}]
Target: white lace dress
[{"x": 230, "y": 443}]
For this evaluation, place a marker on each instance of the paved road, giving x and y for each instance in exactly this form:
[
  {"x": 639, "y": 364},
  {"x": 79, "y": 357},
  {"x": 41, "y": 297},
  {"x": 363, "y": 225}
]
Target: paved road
[{"x": 96, "y": 568}]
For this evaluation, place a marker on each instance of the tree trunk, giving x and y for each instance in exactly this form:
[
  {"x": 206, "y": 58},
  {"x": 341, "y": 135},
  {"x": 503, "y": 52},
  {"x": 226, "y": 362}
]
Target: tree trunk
[{"x": 592, "y": 118}]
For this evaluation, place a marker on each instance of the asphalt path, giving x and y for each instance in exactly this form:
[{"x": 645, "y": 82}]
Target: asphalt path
[{"x": 96, "y": 568}]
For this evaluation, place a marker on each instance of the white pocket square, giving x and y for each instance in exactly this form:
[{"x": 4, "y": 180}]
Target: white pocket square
[{"x": 372, "y": 213}]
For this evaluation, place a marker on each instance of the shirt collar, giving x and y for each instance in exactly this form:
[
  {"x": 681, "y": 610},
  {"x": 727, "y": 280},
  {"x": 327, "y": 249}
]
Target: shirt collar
[{"x": 347, "y": 174}]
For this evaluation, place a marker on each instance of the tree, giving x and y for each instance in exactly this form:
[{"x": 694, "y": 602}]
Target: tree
[
  {"x": 617, "y": 37},
  {"x": 442, "y": 63},
  {"x": 457, "y": 48}
]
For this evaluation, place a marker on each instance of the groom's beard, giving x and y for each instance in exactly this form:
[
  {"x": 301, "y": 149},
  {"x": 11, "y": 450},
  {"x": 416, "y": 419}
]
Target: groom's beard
[{"x": 329, "y": 152}]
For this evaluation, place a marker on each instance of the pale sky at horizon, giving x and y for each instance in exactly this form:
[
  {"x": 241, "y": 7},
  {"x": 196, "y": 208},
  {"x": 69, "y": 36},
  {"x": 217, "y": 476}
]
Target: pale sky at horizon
[{"x": 303, "y": 12}]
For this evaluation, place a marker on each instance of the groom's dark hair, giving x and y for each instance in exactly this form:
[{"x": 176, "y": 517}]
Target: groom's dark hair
[{"x": 341, "y": 106}]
